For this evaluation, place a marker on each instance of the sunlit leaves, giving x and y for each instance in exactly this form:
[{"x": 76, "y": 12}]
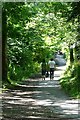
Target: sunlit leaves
[{"x": 35, "y": 30}]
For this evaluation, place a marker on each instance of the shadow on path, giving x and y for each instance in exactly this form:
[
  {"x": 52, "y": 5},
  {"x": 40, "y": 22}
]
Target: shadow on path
[{"x": 37, "y": 99}]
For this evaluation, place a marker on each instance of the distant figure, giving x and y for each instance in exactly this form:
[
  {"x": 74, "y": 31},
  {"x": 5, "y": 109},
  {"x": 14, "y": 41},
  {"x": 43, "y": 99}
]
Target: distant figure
[
  {"x": 52, "y": 67},
  {"x": 43, "y": 67}
]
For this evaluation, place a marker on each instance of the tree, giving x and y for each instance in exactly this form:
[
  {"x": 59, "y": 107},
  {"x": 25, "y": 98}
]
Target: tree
[
  {"x": 75, "y": 13},
  {"x": 71, "y": 82},
  {"x": 34, "y": 31},
  {"x": 4, "y": 41}
]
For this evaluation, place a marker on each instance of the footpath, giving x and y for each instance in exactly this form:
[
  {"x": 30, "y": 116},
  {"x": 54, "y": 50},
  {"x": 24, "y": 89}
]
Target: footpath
[{"x": 37, "y": 99}]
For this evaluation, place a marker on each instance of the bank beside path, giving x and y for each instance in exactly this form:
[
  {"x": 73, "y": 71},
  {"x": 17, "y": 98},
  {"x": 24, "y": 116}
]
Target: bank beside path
[{"x": 37, "y": 99}]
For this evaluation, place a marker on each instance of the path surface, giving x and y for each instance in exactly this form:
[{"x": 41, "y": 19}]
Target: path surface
[{"x": 38, "y": 99}]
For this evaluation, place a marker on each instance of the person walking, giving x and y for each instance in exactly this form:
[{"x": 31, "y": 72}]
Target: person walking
[
  {"x": 52, "y": 67},
  {"x": 43, "y": 67}
]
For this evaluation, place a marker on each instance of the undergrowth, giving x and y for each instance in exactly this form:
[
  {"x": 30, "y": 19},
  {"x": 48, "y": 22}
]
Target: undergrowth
[{"x": 71, "y": 80}]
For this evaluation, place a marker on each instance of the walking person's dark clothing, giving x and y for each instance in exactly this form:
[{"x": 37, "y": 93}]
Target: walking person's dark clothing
[{"x": 43, "y": 66}]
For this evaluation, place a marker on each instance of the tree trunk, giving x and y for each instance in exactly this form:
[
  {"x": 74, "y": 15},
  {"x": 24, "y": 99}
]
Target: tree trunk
[
  {"x": 4, "y": 42},
  {"x": 77, "y": 47},
  {"x": 71, "y": 55}
]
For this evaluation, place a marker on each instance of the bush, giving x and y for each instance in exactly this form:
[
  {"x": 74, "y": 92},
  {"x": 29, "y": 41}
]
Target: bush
[{"x": 71, "y": 80}]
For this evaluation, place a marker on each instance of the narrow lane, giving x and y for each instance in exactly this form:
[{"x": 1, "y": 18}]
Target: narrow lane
[{"x": 37, "y": 99}]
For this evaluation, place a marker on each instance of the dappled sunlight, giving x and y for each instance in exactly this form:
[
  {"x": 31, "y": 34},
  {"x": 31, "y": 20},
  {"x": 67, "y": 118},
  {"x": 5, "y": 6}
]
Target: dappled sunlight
[
  {"x": 37, "y": 98},
  {"x": 49, "y": 83},
  {"x": 46, "y": 102},
  {"x": 28, "y": 92},
  {"x": 67, "y": 106},
  {"x": 31, "y": 32},
  {"x": 70, "y": 112},
  {"x": 33, "y": 117},
  {"x": 34, "y": 107},
  {"x": 12, "y": 98}
]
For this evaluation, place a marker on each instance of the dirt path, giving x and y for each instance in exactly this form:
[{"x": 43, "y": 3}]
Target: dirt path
[{"x": 37, "y": 99}]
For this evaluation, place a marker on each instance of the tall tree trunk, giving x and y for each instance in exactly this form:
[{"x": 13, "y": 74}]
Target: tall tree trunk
[
  {"x": 71, "y": 55},
  {"x": 4, "y": 41},
  {"x": 77, "y": 48},
  {"x": 78, "y": 38},
  {"x": 0, "y": 50}
]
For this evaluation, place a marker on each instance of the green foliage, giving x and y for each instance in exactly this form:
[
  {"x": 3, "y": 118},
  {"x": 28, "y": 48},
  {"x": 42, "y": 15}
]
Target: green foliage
[
  {"x": 35, "y": 31},
  {"x": 77, "y": 69},
  {"x": 75, "y": 11},
  {"x": 71, "y": 81}
]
